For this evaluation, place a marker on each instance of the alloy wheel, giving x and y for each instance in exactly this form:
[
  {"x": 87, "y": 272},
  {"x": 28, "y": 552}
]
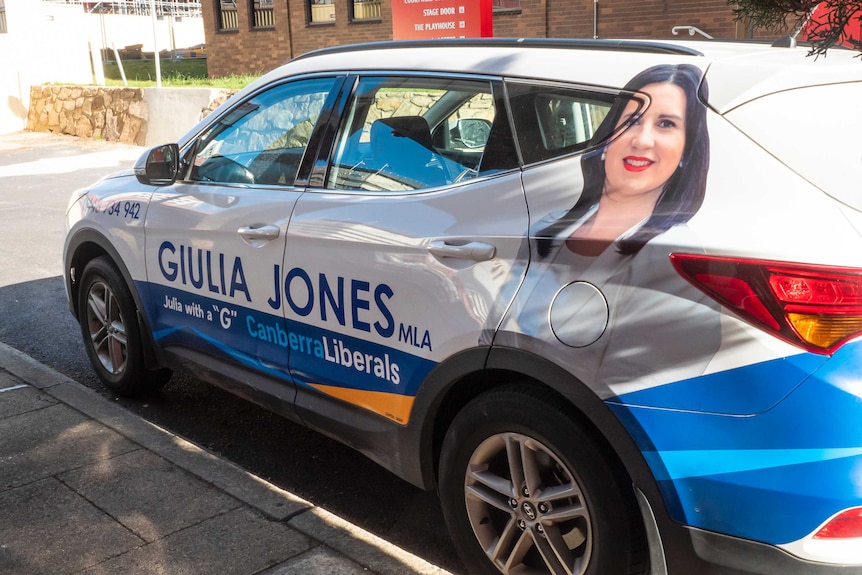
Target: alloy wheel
[
  {"x": 527, "y": 508},
  {"x": 107, "y": 330}
]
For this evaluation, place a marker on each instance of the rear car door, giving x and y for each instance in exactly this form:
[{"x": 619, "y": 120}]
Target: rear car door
[
  {"x": 216, "y": 237},
  {"x": 400, "y": 258},
  {"x": 611, "y": 308}
]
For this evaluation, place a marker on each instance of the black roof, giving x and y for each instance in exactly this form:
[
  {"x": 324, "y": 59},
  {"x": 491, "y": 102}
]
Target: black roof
[{"x": 558, "y": 43}]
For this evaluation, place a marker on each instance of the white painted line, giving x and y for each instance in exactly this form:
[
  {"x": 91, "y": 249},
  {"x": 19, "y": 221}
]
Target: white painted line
[
  {"x": 109, "y": 159},
  {"x": 14, "y": 387}
]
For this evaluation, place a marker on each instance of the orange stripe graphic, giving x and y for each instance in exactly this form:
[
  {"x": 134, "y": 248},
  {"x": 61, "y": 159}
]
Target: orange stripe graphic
[{"x": 393, "y": 406}]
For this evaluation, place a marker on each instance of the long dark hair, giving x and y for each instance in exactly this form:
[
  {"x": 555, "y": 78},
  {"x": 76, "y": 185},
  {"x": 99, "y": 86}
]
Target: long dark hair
[{"x": 683, "y": 192}]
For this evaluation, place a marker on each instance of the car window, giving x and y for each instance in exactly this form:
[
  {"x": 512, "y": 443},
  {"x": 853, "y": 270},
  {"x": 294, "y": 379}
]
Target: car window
[
  {"x": 262, "y": 140},
  {"x": 412, "y": 133},
  {"x": 553, "y": 121},
  {"x": 839, "y": 122}
]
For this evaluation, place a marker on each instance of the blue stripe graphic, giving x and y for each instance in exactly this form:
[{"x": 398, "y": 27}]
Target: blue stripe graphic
[
  {"x": 267, "y": 342},
  {"x": 774, "y": 476},
  {"x": 700, "y": 463}
]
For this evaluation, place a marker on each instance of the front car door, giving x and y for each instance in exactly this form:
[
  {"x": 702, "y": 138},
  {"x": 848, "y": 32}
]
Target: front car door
[{"x": 216, "y": 237}]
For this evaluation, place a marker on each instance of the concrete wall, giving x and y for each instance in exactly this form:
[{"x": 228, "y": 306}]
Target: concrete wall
[
  {"x": 137, "y": 116},
  {"x": 43, "y": 44},
  {"x": 173, "y": 111},
  {"x": 51, "y": 44}
]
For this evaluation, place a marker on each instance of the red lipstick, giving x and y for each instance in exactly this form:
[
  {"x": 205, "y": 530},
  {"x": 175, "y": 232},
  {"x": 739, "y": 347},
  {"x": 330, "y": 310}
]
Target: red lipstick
[{"x": 636, "y": 164}]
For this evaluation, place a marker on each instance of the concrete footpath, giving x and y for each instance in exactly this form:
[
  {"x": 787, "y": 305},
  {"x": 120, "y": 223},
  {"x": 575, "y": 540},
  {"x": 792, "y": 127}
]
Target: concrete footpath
[{"x": 87, "y": 487}]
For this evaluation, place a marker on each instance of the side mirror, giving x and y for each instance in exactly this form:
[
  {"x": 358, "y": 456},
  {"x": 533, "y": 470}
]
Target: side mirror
[
  {"x": 158, "y": 166},
  {"x": 474, "y": 132}
]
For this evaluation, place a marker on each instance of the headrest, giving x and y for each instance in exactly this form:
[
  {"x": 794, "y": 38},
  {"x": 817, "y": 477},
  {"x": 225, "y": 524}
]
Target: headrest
[{"x": 412, "y": 127}]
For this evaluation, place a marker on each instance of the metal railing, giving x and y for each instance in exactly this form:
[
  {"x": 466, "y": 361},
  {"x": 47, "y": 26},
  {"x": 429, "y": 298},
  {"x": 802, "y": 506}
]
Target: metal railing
[{"x": 190, "y": 8}]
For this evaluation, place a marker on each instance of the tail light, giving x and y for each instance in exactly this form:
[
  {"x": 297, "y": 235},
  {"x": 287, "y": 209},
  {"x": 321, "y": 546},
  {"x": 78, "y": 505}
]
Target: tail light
[
  {"x": 845, "y": 525},
  {"x": 816, "y": 307}
]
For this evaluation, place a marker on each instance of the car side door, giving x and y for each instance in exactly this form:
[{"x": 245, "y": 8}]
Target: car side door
[
  {"x": 215, "y": 237},
  {"x": 399, "y": 258}
]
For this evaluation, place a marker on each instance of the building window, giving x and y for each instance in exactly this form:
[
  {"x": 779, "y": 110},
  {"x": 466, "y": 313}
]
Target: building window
[
  {"x": 2, "y": 17},
  {"x": 322, "y": 11},
  {"x": 505, "y": 5},
  {"x": 264, "y": 16},
  {"x": 366, "y": 9},
  {"x": 227, "y": 15}
]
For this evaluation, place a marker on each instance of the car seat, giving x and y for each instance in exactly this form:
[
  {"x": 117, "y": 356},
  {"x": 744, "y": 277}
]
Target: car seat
[{"x": 401, "y": 149}]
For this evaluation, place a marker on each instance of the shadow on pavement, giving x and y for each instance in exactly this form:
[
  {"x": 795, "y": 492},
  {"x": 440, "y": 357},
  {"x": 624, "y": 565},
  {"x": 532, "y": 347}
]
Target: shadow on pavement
[{"x": 34, "y": 319}]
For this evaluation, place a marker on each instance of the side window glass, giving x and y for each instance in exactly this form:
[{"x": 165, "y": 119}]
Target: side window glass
[
  {"x": 412, "y": 133},
  {"x": 262, "y": 140},
  {"x": 553, "y": 121}
]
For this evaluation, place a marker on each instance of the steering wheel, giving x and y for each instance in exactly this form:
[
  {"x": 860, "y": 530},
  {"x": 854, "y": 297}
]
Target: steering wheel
[{"x": 224, "y": 170}]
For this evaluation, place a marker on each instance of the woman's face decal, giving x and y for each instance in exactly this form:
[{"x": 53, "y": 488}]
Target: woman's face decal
[{"x": 644, "y": 157}]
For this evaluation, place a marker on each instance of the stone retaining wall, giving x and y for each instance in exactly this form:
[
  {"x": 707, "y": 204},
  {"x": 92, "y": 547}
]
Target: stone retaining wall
[
  {"x": 151, "y": 116},
  {"x": 116, "y": 114},
  {"x": 110, "y": 114}
]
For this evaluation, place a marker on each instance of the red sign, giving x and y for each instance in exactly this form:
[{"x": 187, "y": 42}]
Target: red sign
[
  {"x": 428, "y": 19},
  {"x": 823, "y": 18}
]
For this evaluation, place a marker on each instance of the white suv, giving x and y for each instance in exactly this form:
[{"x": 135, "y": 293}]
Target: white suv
[{"x": 604, "y": 296}]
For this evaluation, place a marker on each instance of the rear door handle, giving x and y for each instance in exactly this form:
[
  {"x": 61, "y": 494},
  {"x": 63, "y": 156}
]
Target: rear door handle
[{"x": 476, "y": 251}]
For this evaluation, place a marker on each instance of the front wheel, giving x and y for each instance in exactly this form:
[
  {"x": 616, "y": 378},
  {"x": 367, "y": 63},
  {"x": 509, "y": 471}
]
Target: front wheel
[
  {"x": 111, "y": 333},
  {"x": 526, "y": 490}
]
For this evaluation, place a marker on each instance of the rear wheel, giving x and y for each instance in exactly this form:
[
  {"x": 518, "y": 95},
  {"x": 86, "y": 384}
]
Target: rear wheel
[
  {"x": 112, "y": 337},
  {"x": 526, "y": 491}
]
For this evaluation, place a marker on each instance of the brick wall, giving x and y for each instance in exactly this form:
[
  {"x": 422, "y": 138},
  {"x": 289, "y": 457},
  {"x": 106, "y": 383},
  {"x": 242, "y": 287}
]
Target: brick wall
[
  {"x": 528, "y": 22},
  {"x": 245, "y": 50},
  {"x": 250, "y": 51},
  {"x": 635, "y": 18}
]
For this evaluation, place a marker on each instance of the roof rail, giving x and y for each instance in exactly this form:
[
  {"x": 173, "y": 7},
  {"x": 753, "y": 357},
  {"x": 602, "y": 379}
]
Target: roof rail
[{"x": 559, "y": 43}]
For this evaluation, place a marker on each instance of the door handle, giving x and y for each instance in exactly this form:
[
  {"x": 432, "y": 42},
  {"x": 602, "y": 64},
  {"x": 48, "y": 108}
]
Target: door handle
[
  {"x": 258, "y": 232},
  {"x": 476, "y": 251}
]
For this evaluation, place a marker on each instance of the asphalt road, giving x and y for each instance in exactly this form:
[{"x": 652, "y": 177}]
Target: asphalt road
[{"x": 38, "y": 172}]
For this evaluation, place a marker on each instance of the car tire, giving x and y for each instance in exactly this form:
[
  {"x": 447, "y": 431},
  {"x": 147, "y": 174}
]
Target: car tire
[
  {"x": 111, "y": 332},
  {"x": 566, "y": 511}
]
